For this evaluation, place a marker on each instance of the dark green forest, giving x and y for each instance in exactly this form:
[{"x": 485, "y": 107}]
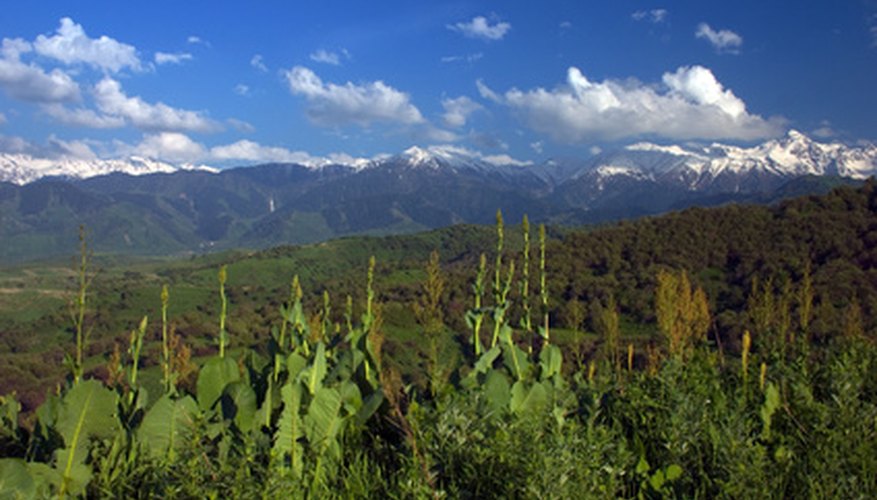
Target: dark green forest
[{"x": 708, "y": 352}]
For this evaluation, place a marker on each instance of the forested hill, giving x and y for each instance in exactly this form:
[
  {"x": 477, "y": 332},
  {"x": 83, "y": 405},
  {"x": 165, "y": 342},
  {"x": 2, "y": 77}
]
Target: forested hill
[
  {"x": 728, "y": 249},
  {"x": 725, "y": 250}
]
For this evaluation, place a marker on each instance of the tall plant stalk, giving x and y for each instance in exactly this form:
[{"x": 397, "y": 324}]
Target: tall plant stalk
[
  {"x": 526, "y": 321},
  {"x": 165, "y": 346},
  {"x": 543, "y": 287},
  {"x": 80, "y": 304},
  {"x": 223, "y": 335}
]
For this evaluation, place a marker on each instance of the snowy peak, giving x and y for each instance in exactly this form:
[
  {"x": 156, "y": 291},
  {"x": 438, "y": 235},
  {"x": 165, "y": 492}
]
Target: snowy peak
[
  {"x": 456, "y": 158},
  {"x": 23, "y": 168},
  {"x": 729, "y": 167}
]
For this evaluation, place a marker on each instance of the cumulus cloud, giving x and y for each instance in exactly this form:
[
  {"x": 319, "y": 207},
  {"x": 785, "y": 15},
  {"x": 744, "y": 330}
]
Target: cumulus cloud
[
  {"x": 654, "y": 16},
  {"x": 196, "y": 40},
  {"x": 327, "y": 57},
  {"x": 257, "y": 62},
  {"x": 480, "y": 27},
  {"x": 71, "y": 45},
  {"x": 81, "y": 117},
  {"x": 722, "y": 40},
  {"x": 172, "y": 58},
  {"x": 691, "y": 104},
  {"x": 457, "y": 110},
  {"x": 171, "y": 146},
  {"x": 28, "y": 82},
  {"x": 330, "y": 104},
  {"x": 112, "y": 101},
  {"x": 252, "y": 151}
]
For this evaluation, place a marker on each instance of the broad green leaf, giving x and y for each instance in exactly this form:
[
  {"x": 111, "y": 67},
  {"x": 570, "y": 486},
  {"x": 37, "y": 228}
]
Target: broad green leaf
[
  {"x": 323, "y": 421},
  {"x": 239, "y": 403},
  {"x": 550, "y": 360},
  {"x": 88, "y": 410},
  {"x": 289, "y": 431},
  {"x": 351, "y": 397},
  {"x": 530, "y": 400},
  {"x": 164, "y": 426},
  {"x": 369, "y": 407},
  {"x": 295, "y": 363},
  {"x": 47, "y": 414},
  {"x": 75, "y": 475},
  {"x": 485, "y": 362},
  {"x": 314, "y": 374},
  {"x": 497, "y": 392},
  {"x": 771, "y": 403},
  {"x": 505, "y": 334},
  {"x": 15, "y": 479},
  {"x": 212, "y": 379},
  {"x": 516, "y": 361}
]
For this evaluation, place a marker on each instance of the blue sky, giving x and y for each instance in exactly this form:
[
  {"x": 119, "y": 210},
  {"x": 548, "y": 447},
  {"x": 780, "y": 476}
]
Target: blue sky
[{"x": 225, "y": 83}]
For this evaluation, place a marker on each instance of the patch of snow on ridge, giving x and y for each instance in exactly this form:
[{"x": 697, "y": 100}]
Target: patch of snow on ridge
[{"x": 20, "y": 168}]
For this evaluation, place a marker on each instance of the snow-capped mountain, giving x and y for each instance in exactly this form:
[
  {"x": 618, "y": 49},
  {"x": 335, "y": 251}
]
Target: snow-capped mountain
[
  {"x": 420, "y": 188},
  {"x": 23, "y": 168},
  {"x": 732, "y": 168},
  {"x": 456, "y": 159}
]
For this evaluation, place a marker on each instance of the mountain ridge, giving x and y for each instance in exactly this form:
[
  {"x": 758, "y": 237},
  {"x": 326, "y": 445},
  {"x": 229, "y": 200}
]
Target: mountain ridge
[{"x": 197, "y": 210}]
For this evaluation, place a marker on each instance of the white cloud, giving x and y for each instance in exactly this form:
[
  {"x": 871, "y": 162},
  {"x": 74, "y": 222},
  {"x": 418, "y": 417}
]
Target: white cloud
[
  {"x": 324, "y": 56},
  {"x": 654, "y": 16},
  {"x": 431, "y": 133},
  {"x": 112, "y": 101},
  {"x": 480, "y": 27},
  {"x": 72, "y": 45},
  {"x": 722, "y": 40},
  {"x": 197, "y": 40},
  {"x": 457, "y": 110},
  {"x": 171, "y": 147},
  {"x": 691, "y": 104},
  {"x": 242, "y": 90},
  {"x": 468, "y": 58},
  {"x": 486, "y": 92},
  {"x": 241, "y": 126},
  {"x": 14, "y": 145},
  {"x": 257, "y": 62},
  {"x": 172, "y": 58},
  {"x": 2, "y": 118},
  {"x": 332, "y": 104},
  {"x": 537, "y": 147},
  {"x": 82, "y": 117},
  {"x": 29, "y": 82},
  {"x": 595, "y": 150},
  {"x": 252, "y": 151},
  {"x": 70, "y": 149}
]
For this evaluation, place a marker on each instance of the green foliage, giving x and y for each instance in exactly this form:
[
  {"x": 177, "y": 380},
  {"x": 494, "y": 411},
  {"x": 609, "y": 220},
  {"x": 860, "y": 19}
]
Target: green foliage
[{"x": 322, "y": 408}]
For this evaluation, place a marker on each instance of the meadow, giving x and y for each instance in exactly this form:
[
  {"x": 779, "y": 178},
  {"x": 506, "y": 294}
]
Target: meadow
[{"x": 709, "y": 353}]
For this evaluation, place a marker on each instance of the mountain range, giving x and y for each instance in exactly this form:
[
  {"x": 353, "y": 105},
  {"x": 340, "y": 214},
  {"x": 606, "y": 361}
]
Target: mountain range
[{"x": 145, "y": 206}]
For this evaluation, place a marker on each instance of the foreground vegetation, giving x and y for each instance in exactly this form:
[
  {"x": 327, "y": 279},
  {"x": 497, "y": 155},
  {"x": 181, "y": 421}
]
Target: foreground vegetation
[{"x": 768, "y": 392}]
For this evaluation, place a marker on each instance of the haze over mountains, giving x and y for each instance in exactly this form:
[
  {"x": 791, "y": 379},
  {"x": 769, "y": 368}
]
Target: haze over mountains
[{"x": 145, "y": 206}]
